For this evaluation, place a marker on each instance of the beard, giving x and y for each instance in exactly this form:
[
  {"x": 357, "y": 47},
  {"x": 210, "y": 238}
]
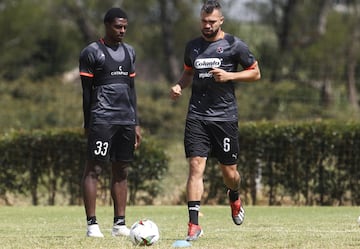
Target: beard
[{"x": 210, "y": 34}]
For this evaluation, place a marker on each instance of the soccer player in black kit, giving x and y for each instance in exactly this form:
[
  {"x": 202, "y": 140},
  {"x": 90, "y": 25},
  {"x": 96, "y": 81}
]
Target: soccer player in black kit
[
  {"x": 210, "y": 66},
  {"x": 107, "y": 70}
]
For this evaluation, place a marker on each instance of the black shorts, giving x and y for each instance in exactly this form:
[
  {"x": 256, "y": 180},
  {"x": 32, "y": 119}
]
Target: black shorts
[
  {"x": 212, "y": 138},
  {"x": 108, "y": 142}
]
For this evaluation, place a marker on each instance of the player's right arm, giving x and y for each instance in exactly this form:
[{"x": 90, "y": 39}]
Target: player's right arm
[
  {"x": 183, "y": 82},
  {"x": 86, "y": 65},
  {"x": 187, "y": 74},
  {"x": 86, "y": 83}
]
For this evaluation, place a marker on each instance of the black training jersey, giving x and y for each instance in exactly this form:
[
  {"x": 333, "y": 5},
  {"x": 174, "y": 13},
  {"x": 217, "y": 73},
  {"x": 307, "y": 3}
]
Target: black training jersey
[
  {"x": 211, "y": 100},
  {"x": 112, "y": 70}
]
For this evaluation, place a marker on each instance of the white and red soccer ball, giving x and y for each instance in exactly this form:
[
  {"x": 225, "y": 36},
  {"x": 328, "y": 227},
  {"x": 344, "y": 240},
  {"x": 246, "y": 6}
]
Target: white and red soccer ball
[{"x": 144, "y": 233}]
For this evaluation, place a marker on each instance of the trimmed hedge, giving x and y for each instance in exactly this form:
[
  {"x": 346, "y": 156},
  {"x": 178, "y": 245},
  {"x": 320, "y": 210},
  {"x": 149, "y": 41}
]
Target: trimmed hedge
[
  {"x": 308, "y": 163},
  {"x": 52, "y": 161}
]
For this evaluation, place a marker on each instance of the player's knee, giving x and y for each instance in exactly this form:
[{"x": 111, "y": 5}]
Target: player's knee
[
  {"x": 92, "y": 169},
  {"x": 120, "y": 175},
  {"x": 197, "y": 167},
  {"x": 119, "y": 171},
  {"x": 230, "y": 173}
]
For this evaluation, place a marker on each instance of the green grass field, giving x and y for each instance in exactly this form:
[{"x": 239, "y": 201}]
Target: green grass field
[{"x": 264, "y": 227}]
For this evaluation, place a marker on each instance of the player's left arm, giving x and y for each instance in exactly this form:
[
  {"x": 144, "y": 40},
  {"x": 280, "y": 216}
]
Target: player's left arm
[
  {"x": 249, "y": 74},
  {"x": 133, "y": 99},
  {"x": 133, "y": 96}
]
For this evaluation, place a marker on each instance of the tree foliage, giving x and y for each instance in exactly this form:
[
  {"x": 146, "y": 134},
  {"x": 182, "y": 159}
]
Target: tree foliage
[
  {"x": 37, "y": 44},
  {"x": 294, "y": 40},
  {"x": 45, "y": 104},
  {"x": 312, "y": 45}
]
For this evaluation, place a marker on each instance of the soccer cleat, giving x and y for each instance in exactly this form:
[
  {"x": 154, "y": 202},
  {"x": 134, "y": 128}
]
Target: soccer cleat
[
  {"x": 194, "y": 232},
  {"x": 94, "y": 231},
  {"x": 120, "y": 230},
  {"x": 237, "y": 212}
]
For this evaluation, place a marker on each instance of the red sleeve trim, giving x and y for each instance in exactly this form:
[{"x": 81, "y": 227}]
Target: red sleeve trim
[
  {"x": 186, "y": 67},
  {"x": 90, "y": 75},
  {"x": 252, "y": 66}
]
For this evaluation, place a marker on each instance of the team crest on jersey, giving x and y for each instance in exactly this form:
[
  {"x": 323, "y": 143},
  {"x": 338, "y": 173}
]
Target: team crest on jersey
[{"x": 220, "y": 50}]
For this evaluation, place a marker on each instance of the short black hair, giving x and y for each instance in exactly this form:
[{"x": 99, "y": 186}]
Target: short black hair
[
  {"x": 210, "y": 5},
  {"x": 113, "y": 13}
]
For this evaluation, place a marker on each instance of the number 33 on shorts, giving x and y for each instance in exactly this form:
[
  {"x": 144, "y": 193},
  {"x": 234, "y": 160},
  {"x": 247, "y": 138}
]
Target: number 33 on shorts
[{"x": 101, "y": 148}]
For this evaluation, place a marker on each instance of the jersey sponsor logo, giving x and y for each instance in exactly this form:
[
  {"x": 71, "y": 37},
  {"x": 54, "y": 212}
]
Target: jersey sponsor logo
[
  {"x": 119, "y": 72},
  {"x": 207, "y": 63},
  {"x": 205, "y": 75}
]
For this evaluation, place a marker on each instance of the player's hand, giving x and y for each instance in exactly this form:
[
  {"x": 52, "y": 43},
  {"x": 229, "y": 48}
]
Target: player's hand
[
  {"x": 220, "y": 75},
  {"x": 137, "y": 136},
  {"x": 175, "y": 92}
]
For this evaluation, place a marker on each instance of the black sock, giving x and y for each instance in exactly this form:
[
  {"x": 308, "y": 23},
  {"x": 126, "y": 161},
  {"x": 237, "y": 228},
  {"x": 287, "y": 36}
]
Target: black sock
[
  {"x": 233, "y": 195},
  {"x": 91, "y": 220},
  {"x": 194, "y": 207},
  {"x": 119, "y": 220}
]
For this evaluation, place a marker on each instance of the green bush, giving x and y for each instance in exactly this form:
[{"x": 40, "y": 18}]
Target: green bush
[
  {"x": 307, "y": 163},
  {"x": 51, "y": 162},
  {"x": 303, "y": 163}
]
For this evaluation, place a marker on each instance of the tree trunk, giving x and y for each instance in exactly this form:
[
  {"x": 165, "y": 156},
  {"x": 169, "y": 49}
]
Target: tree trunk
[
  {"x": 76, "y": 9},
  {"x": 34, "y": 177},
  {"x": 351, "y": 84},
  {"x": 353, "y": 50},
  {"x": 283, "y": 26},
  {"x": 326, "y": 94},
  {"x": 288, "y": 21},
  {"x": 171, "y": 66}
]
